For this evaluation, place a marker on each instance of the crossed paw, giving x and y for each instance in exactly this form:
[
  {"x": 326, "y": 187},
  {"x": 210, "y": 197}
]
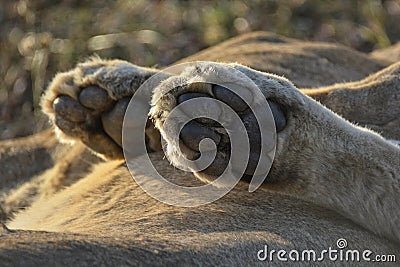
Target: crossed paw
[{"x": 89, "y": 102}]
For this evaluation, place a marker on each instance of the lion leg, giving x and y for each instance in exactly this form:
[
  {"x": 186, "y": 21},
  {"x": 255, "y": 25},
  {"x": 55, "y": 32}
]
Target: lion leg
[
  {"x": 320, "y": 157},
  {"x": 373, "y": 102},
  {"x": 88, "y": 103}
]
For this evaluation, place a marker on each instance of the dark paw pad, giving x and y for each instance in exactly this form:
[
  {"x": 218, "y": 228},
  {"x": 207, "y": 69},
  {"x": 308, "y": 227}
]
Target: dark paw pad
[{"x": 198, "y": 129}]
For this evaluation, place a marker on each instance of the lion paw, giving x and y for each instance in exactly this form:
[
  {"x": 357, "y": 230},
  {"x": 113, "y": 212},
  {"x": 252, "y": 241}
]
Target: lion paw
[
  {"x": 88, "y": 103},
  {"x": 214, "y": 123}
]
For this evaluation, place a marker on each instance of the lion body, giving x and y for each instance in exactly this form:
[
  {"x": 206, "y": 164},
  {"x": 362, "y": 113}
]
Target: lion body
[{"x": 82, "y": 209}]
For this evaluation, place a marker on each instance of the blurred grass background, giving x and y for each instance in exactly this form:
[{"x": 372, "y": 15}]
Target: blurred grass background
[{"x": 39, "y": 38}]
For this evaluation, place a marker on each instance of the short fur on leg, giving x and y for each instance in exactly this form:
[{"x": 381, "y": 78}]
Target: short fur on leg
[{"x": 320, "y": 156}]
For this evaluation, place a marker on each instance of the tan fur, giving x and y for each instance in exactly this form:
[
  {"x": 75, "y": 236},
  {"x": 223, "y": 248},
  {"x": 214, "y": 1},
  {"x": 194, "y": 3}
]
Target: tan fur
[
  {"x": 389, "y": 54},
  {"x": 105, "y": 218},
  {"x": 320, "y": 157}
]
